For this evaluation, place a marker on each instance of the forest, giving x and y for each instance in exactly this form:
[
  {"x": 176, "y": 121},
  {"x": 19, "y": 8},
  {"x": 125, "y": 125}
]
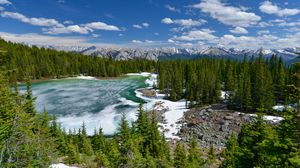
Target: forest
[
  {"x": 254, "y": 84},
  {"x": 31, "y": 139}
]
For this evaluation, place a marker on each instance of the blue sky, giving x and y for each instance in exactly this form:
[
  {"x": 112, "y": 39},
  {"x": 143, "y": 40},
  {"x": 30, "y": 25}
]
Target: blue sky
[{"x": 152, "y": 23}]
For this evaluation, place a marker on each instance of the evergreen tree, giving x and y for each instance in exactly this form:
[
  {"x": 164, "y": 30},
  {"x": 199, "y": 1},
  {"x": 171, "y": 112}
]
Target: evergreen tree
[
  {"x": 231, "y": 153},
  {"x": 195, "y": 157},
  {"x": 180, "y": 158}
]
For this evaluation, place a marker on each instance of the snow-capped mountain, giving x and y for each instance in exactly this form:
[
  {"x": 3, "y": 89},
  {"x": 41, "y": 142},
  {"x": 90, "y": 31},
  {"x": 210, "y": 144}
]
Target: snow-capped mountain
[{"x": 288, "y": 54}]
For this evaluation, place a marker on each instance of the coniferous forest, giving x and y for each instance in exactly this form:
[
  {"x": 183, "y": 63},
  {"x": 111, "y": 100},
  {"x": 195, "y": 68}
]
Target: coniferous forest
[{"x": 32, "y": 139}]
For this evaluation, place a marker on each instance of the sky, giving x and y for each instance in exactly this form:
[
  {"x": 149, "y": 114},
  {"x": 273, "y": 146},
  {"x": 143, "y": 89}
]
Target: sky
[{"x": 244, "y": 24}]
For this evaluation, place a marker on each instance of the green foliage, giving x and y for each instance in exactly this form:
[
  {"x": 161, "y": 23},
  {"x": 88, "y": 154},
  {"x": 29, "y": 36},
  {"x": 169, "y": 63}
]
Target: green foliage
[
  {"x": 31, "y": 139},
  {"x": 250, "y": 85},
  {"x": 180, "y": 158},
  {"x": 195, "y": 159},
  {"x": 25, "y": 137},
  {"x": 37, "y": 63},
  {"x": 263, "y": 145}
]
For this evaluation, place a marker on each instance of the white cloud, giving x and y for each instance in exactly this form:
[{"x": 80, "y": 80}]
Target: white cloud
[
  {"x": 270, "y": 8},
  {"x": 137, "y": 26},
  {"x": 136, "y": 41},
  {"x": 57, "y": 28},
  {"x": 167, "y": 21},
  {"x": 44, "y": 40},
  {"x": 33, "y": 21},
  {"x": 184, "y": 22},
  {"x": 101, "y": 26},
  {"x": 289, "y": 24},
  {"x": 264, "y": 24},
  {"x": 68, "y": 22},
  {"x": 156, "y": 33},
  {"x": 142, "y": 42},
  {"x": 5, "y": 2},
  {"x": 67, "y": 30},
  {"x": 239, "y": 30},
  {"x": 293, "y": 29},
  {"x": 95, "y": 35},
  {"x": 196, "y": 35},
  {"x": 229, "y": 15},
  {"x": 81, "y": 29},
  {"x": 171, "y": 41},
  {"x": 171, "y": 8},
  {"x": 149, "y": 41},
  {"x": 1, "y": 8},
  {"x": 250, "y": 42},
  {"x": 145, "y": 24},
  {"x": 263, "y": 32}
]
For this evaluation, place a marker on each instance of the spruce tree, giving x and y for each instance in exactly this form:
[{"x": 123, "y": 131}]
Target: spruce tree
[
  {"x": 180, "y": 158},
  {"x": 195, "y": 159}
]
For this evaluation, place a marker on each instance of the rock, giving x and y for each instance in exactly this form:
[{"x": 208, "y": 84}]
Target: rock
[
  {"x": 224, "y": 128},
  {"x": 211, "y": 125},
  {"x": 148, "y": 92},
  {"x": 228, "y": 117}
]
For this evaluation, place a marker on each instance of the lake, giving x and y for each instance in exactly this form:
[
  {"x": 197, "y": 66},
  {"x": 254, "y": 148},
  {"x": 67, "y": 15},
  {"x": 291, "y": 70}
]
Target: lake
[{"x": 97, "y": 102}]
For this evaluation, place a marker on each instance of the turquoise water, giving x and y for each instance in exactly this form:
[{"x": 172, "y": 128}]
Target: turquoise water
[{"x": 98, "y": 103}]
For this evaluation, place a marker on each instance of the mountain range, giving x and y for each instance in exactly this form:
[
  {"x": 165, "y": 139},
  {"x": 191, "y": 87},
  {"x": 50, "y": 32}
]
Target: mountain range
[{"x": 290, "y": 55}]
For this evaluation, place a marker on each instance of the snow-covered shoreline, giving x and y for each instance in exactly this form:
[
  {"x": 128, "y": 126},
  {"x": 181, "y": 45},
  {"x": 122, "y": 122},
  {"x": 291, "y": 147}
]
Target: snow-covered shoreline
[{"x": 175, "y": 109}]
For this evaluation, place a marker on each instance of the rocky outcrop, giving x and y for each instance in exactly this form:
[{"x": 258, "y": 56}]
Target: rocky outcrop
[
  {"x": 212, "y": 125},
  {"x": 148, "y": 92}
]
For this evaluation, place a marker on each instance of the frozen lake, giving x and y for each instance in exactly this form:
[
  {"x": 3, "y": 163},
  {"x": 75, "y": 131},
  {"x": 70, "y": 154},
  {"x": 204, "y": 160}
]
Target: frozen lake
[{"x": 98, "y": 103}]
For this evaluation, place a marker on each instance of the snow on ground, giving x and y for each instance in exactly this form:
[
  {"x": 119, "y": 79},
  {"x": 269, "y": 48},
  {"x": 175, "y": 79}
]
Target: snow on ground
[
  {"x": 146, "y": 74},
  {"x": 282, "y": 107},
  {"x": 223, "y": 94},
  {"x": 274, "y": 119},
  {"x": 86, "y": 77},
  {"x": 83, "y": 77},
  {"x": 60, "y": 165},
  {"x": 172, "y": 115},
  {"x": 278, "y": 107}
]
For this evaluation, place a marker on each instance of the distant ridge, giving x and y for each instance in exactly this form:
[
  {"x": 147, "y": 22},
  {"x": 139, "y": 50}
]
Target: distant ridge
[{"x": 289, "y": 55}]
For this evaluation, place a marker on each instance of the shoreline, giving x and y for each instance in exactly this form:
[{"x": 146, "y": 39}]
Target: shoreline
[
  {"x": 74, "y": 77},
  {"x": 170, "y": 113}
]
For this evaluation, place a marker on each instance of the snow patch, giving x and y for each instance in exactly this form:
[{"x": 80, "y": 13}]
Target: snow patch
[
  {"x": 60, "y": 165},
  {"x": 273, "y": 118},
  {"x": 223, "y": 95},
  {"x": 83, "y": 77},
  {"x": 146, "y": 74},
  {"x": 282, "y": 107},
  {"x": 86, "y": 77},
  {"x": 175, "y": 109}
]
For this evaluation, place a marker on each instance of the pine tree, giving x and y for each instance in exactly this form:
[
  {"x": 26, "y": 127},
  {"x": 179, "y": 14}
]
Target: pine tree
[
  {"x": 211, "y": 155},
  {"x": 180, "y": 158},
  {"x": 195, "y": 157},
  {"x": 101, "y": 160},
  {"x": 29, "y": 103},
  {"x": 231, "y": 153},
  {"x": 280, "y": 82}
]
